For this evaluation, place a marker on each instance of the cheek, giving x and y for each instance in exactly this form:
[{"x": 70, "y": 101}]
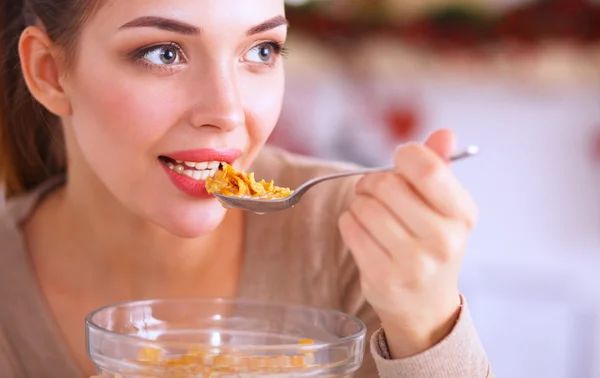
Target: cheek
[
  {"x": 122, "y": 113},
  {"x": 119, "y": 121},
  {"x": 263, "y": 99}
]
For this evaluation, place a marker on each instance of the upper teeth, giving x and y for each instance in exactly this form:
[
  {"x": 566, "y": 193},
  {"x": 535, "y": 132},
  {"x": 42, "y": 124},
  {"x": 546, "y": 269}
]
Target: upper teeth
[{"x": 199, "y": 170}]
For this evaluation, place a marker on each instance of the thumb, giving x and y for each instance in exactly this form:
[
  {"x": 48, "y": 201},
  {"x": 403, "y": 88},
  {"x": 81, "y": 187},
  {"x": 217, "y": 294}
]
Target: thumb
[{"x": 442, "y": 142}]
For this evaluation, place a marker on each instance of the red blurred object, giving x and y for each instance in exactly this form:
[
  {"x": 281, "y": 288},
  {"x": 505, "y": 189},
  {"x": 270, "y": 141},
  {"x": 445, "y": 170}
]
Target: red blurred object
[
  {"x": 456, "y": 27},
  {"x": 575, "y": 20},
  {"x": 403, "y": 122}
]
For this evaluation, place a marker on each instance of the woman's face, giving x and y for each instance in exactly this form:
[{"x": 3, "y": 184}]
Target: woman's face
[{"x": 160, "y": 83}]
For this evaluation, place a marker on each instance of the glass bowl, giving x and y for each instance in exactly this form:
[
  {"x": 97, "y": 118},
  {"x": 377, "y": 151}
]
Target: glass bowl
[{"x": 215, "y": 337}]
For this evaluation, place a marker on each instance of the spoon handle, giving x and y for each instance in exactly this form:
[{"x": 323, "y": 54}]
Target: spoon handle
[{"x": 470, "y": 151}]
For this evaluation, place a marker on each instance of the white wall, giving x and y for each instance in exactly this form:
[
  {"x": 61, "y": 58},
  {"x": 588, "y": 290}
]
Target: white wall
[{"x": 530, "y": 270}]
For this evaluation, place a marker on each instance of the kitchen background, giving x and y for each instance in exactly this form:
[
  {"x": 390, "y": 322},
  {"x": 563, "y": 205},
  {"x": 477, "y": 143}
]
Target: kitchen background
[{"x": 521, "y": 79}]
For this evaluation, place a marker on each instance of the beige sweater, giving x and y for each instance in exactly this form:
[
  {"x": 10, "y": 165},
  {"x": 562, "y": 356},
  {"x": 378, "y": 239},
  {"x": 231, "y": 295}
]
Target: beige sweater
[{"x": 291, "y": 256}]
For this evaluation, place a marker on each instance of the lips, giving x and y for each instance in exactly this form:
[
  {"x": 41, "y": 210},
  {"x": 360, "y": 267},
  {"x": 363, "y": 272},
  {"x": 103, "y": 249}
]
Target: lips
[
  {"x": 206, "y": 154},
  {"x": 189, "y": 169}
]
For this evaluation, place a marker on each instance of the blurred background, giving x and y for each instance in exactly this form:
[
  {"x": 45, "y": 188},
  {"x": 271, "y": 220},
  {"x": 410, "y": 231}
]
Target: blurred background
[{"x": 521, "y": 79}]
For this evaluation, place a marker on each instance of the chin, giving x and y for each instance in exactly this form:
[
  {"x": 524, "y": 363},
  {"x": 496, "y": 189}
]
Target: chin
[{"x": 192, "y": 221}]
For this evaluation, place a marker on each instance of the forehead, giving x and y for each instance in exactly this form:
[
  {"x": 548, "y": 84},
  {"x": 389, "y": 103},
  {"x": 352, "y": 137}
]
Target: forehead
[{"x": 212, "y": 16}]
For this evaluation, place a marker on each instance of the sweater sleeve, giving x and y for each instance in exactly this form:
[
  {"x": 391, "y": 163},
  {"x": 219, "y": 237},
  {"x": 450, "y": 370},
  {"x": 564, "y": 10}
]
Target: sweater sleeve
[{"x": 459, "y": 355}]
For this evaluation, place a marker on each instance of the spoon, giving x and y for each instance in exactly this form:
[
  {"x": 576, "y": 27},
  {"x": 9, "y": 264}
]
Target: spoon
[{"x": 262, "y": 206}]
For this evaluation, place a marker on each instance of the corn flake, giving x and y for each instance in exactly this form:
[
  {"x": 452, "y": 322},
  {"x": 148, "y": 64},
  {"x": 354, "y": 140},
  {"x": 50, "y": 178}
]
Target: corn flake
[
  {"x": 197, "y": 363},
  {"x": 229, "y": 182}
]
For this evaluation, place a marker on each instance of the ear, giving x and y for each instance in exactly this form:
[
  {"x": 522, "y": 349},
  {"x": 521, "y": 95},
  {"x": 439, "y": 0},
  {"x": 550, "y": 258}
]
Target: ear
[{"x": 41, "y": 69}]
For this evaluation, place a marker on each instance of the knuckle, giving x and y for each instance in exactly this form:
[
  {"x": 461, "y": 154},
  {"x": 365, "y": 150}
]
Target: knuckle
[
  {"x": 406, "y": 153},
  {"x": 419, "y": 164},
  {"x": 365, "y": 207},
  {"x": 357, "y": 205},
  {"x": 444, "y": 256},
  {"x": 468, "y": 212},
  {"x": 438, "y": 238},
  {"x": 450, "y": 245},
  {"x": 363, "y": 184},
  {"x": 430, "y": 170},
  {"x": 471, "y": 220},
  {"x": 385, "y": 185},
  {"x": 472, "y": 214},
  {"x": 446, "y": 244}
]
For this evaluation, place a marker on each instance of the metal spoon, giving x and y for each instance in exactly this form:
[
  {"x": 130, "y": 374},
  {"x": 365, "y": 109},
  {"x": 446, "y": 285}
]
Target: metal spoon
[{"x": 262, "y": 206}]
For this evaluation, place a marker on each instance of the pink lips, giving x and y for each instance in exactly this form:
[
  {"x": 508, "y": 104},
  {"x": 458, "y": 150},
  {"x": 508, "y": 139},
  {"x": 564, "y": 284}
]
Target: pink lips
[
  {"x": 188, "y": 185},
  {"x": 206, "y": 154}
]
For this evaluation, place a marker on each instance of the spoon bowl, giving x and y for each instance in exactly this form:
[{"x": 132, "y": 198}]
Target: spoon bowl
[{"x": 264, "y": 206}]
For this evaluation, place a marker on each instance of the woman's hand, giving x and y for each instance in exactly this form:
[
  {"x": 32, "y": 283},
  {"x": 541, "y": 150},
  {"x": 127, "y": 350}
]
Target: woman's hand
[{"x": 407, "y": 232}]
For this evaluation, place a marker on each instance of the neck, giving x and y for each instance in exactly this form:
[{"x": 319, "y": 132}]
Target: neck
[{"x": 140, "y": 258}]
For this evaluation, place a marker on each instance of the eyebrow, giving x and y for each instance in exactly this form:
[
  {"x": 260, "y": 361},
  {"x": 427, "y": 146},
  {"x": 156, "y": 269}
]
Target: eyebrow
[
  {"x": 163, "y": 24},
  {"x": 187, "y": 29},
  {"x": 271, "y": 23}
]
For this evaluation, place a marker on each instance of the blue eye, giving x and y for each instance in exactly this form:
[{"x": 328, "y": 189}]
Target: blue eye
[
  {"x": 265, "y": 53},
  {"x": 163, "y": 55},
  {"x": 260, "y": 54}
]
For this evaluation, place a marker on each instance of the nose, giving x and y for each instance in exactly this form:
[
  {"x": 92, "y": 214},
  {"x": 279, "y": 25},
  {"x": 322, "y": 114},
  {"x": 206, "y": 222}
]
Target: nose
[{"x": 217, "y": 101}]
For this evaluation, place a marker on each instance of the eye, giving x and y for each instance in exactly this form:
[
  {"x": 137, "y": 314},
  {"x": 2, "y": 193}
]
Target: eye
[
  {"x": 263, "y": 53},
  {"x": 163, "y": 55}
]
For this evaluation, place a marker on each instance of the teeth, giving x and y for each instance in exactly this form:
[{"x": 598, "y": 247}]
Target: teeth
[
  {"x": 202, "y": 170},
  {"x": 197, "y": 175},
  {"x": 179, "y": 161}
]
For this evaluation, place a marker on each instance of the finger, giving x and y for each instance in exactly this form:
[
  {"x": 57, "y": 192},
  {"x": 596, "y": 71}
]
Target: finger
[
  {"x": 435, "y": 182},
  {"x": 427, "y": 226},
  {"x": 443, "y": 142},
  {"x": 411, "y": 270},
  {"x": 382, "y": 224},
  {"x": 370, "y": 258}
]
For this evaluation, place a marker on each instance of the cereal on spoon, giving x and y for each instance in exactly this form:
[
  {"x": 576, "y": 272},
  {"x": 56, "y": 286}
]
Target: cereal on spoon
[{"x": 229, "y": 182}]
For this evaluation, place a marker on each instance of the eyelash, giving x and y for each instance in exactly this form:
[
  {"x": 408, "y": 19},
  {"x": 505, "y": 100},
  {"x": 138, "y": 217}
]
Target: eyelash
[
  {"x": 279, "y": 49},
  {"x": 137, "y": 56}
]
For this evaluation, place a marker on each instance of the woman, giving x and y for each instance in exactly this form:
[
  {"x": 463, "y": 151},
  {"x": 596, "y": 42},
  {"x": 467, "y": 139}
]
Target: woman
[{"x": 110, "y": 98}]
